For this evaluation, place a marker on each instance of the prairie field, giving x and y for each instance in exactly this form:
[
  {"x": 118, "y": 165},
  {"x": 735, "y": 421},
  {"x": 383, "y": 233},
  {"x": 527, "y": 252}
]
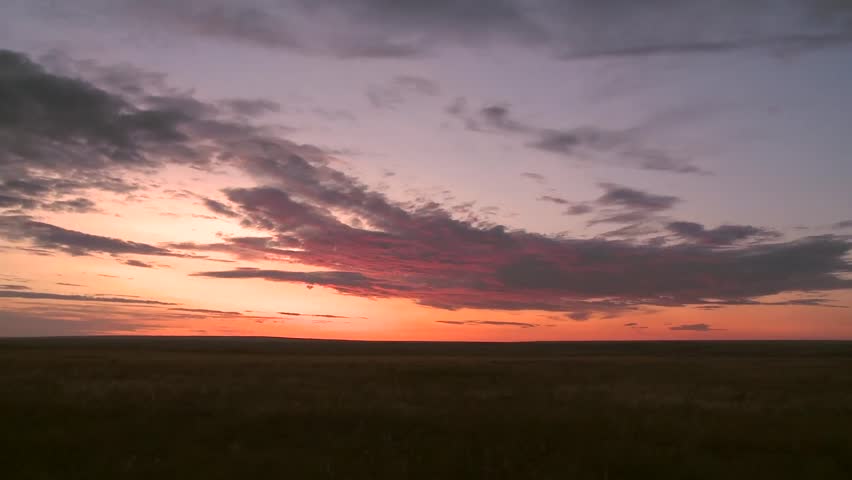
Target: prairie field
[{"x": 223, "y": 408}]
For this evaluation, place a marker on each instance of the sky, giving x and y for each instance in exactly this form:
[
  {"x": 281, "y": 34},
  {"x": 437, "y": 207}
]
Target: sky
[{"x": 495, "y": 170}]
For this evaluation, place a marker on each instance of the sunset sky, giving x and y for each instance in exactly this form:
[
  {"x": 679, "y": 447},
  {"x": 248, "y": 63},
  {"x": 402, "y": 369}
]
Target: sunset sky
[{"x": 426, "y": 170}]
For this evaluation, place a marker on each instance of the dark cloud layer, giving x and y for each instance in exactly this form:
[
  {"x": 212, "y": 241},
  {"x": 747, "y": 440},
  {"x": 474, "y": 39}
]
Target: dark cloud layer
[
  {"x": 60, "y": 136},
  {"x": 427, "y": 256},
  {"x": 570, "y": 29},
  {"x": 76, "y": 127},
  {"x": 351, "y": 238}
]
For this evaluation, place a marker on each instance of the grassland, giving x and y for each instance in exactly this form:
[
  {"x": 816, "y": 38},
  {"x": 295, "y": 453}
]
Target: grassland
[{"x": 145, "y": 408}]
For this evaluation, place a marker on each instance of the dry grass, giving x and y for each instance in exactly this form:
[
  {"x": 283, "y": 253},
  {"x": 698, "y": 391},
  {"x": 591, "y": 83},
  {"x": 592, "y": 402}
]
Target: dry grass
[{"x": 259, "y": 408}]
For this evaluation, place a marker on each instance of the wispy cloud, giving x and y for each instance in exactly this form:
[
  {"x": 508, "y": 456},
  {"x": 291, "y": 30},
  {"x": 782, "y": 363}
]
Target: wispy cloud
[
  {"x": 77, "y": 298},
  {"x": 693, "y": 327},
  {"x": 205, "y": 311},
  {"x": 842, "y": 225},
  {"x": 489, "y": 322},
  {"x": 399, "y": 89},
  {"x": 51, "y": 237},
  {"x": 621, "y": 204},
  {"x": 720, "y": 236},
  {"x": 536, "y": 177},
  {"x": 318, "y": 315},
  {"x": 138, "y": 263},
  {"x": 580, "y": 143}
]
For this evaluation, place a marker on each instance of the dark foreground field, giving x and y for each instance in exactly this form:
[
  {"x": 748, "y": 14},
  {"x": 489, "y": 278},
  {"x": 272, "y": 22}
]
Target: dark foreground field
[{"x": 257, "y": 408}]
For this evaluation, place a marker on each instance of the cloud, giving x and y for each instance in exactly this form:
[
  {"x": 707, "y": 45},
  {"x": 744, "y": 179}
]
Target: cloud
[
  {"x": 61, "y": 136},
  {"x": 317, "y": 315},
  {"x": 571, "y": 208},
  {"x": 26, "y": 324},
  {"x": 621, "y": 196},
  {"x": 245, "y": 248},
  {"x": 345, "y": 236},
  {"x": 427, "y": 256},
  {"x": 780, "y": 44},
  {"x": 14, "y": 287},
  {"x": 842, "y": 225},
  {"x": 70, "y": 127},
  {"x": 20, "y": 203},
  {"x": 723, "y": 235},
  {"x": 356, "y": 29},
  {"x": 568, "y": 29},
  {"x": 489, "y": 322},
  {"x": 693, "y": 327},
  {"x": 56, "y": 122},
  {"x": 218, "y": 207},
  {"x": 579, "y": 142},
  {"x": 621, "y": 204},
  {"x": 578, "y": 209},
  {"x": 818, "y": 301},
  {"x": 137, "y": 263},
  {"x": 342, "y": 281},
  {"x": 582, "y": 143},
  {"x": 641, "y": 211},
  {"x": 399, "y": 89},
  {"x": 536, "y": 177},
  {"x": 632, "y": 231},
  {"x": 251, "y": 107},
  {"x": 51, "y": 237},
  {"x": 581, "y": 315},
  {"x": 77, "y": 205},
  {"x": 552, "y": 199},
  {"x": 77, "y": 298},
  {"x": 498, "y": 117},
  {"x": 289, "y": 26},
  {"x": 205, "y": 311}
]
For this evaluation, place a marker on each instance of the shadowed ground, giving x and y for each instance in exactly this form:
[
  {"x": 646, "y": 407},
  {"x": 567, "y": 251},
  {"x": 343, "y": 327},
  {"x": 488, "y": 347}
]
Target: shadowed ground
[{"x": 215, "y": 408}]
